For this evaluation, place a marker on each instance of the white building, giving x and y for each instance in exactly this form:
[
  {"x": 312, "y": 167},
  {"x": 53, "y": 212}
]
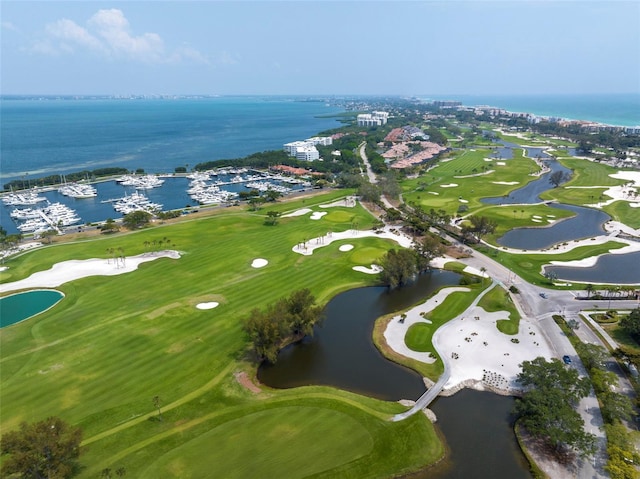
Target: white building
[
  {"x": 321, "y": 140},
  {"x": 292, "y": 147},
  {"x": 376, "y": 118},
  {"x": 307, "y": 153}
]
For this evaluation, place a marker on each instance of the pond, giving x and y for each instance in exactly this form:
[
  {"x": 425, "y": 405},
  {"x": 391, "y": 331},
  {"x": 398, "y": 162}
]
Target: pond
[
  {"x": 609, "y": 269},
  {"x": 586, "y": 223},
  {"x": 530, "y": 193},
  {"x": 477, "y": 426},
  {"x": 342, "y": 354},
  {"x": 21, "y": 306}
]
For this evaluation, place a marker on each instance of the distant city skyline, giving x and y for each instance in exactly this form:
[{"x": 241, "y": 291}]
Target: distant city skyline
[{"x": 320, "y": 47}]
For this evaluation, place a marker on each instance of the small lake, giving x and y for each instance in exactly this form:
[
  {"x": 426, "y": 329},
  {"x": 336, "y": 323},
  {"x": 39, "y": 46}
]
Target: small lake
[
  {"x": 21, "y": 306},
  {"x": 586, "y": 224},
  {"x": 530, "y": 193},
  {"x": 477, "y": 426},
  {"x": 610, "y": 268},
  {"x": 342, "y": 354}
]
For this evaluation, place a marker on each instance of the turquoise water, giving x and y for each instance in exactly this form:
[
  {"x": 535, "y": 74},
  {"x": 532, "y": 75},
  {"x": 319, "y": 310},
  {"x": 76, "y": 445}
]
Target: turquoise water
[
  {"x": 18, "y": 307},
  {"x": 613, "y": 109}
]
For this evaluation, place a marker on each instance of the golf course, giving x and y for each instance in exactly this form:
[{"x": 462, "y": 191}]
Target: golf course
[{"x": 114, "y": 343}]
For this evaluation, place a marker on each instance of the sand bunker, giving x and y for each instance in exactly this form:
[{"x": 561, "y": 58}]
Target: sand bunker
[
  {"x": 259, "y": 263},
  {"x": 433, "y": 192},
  {"x": 500, "y": 163},
  {"x": 536, "y": 220},
  {"x": 210, "y": 305},
  {"x": 463, "y": 201},
  {"x": 300, "y": 212},
  {"x": 450, "y": 185},
  {"x": 375, "y": 269},
  {"x": 348, "y": 202},
  {"x": 505, "y": 182},
  {"x": 346, "y": 247},
  {"x": 66, "y": 271},
  {"x": 317, "y": 215}
]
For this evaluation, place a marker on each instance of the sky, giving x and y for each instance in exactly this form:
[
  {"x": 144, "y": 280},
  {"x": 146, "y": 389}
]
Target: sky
[{"x": 320, "y": 47}]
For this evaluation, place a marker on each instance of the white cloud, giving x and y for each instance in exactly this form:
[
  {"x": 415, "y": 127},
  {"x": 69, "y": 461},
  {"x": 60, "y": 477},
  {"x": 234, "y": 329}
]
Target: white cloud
[
  {"x": 9, "y": 26},
  {"x": 109, "y": 33}
]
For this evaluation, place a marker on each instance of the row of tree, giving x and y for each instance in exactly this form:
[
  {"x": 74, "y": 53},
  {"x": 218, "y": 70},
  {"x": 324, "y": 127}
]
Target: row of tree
[{"x": 288, "y": 319}]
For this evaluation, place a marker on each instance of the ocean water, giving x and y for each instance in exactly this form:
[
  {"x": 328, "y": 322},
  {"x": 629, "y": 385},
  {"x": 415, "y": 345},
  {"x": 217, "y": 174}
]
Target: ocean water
[
  {"x": 612, "y": 109},
  {"x": 45, "y": 137}
]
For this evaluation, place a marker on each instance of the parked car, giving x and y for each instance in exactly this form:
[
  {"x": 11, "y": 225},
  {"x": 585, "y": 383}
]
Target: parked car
[
  {"x": 566, "y": 359},
  {"x": 543, "y": 295}
]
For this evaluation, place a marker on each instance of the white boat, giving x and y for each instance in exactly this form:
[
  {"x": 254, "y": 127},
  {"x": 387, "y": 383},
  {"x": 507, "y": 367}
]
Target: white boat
[
  {"x": 26, "y": 198},
  {"x": 77, "y": 190}
]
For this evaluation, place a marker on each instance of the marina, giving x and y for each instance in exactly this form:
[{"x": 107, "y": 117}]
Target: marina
[{"x": 22, "y": 212}]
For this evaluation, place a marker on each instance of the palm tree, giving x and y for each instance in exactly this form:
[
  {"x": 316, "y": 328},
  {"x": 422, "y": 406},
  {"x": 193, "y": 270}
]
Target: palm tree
[{"x": 589, "y": 289}]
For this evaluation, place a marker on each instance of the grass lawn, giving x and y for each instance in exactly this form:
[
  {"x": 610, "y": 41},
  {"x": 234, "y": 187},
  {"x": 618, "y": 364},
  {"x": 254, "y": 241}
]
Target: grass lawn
[
  {"x": 498, "y": 299},
  {"x": 434, "y": 189},
  {"x": 113, "y": 343}
]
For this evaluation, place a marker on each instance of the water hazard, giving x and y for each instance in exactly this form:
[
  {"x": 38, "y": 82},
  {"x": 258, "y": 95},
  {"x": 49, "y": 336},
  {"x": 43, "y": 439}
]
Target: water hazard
[
  {"x": 477, "y": 426},
  {"x": 342, "y": 353},
  {"x": 21, "y": 306}
]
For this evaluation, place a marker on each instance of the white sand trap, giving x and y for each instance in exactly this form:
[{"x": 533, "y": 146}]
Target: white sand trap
[
  {"x": 475, "y": 272},
  {"x": 450, "y": 185},
  {"x": 4, "y": 268},
  {"x": 433, "y": 192},
  {"x": 259, "y": 263},
  {"x": 488, "y": 159},
  {"x": 71, "y": 270},
  {"x": 550, "y": 221},
  {"x": 348, "y": 202},
  {"x": 537, "y": 217},
  {"x": 627, "y": 175},
  {"x": 463, "y": 201},
  {"x": 536, "y": 220},
  {"x": 551, "y": 216},
  {"x": 375, "y": 269},
  {"x": 299, "y": 212},
  {"x": 505, "y": 182},
  {"x": 634, "y": 205},
  {"x": 210, "y": 305},
  {"x": 500, "y": 163},
  {"x": 317, "y": 215},
  {"x": 346, "y": 247}
]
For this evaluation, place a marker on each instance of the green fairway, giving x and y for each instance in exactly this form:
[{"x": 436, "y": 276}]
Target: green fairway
[
  {"x": 498, "y": 299},
  {"x": 114, "y": 342}
]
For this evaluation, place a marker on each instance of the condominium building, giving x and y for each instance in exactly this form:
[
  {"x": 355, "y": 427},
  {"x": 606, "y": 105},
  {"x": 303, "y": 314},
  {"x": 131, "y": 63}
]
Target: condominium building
[
  {"x": 306, "y": 150},
  {"x": 376, "y": 118}
]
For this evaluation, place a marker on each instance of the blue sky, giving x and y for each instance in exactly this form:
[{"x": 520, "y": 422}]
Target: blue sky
[{"x": 320, "y": 47}]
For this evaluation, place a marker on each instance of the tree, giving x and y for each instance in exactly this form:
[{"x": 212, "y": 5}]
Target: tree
[
  {"x": 157, "y": 402},
  {"x": 45, "y": 449},
  {"x": 547, "y": 407},
  {"x": 589, "y": 288},
  {"x": 631, "y": 323},
  {"x": 480, "y": 226},
  {"x": 136, "y": 219},
  {"x": 592, "y": 355},
  {"x": 288, "y": 319},
  {"x": 272, "y": 195},
  {"x": 369, "y": 192},
  {"x": 272, "y": 218},
  {"x": 558, "y": 177},
  {"x": 48, "y": 234},
  {"x": 109, "y": 226},
  {"x": 427, "y": 249},
  {"x": 398, "y": 267}
]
